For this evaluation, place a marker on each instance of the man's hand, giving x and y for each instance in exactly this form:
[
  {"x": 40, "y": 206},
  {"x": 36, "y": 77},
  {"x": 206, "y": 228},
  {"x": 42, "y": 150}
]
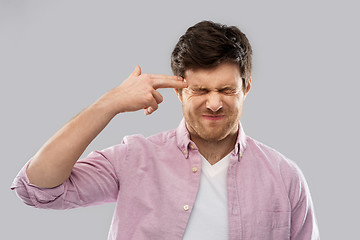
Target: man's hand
[{"x": 138, "y": 91}]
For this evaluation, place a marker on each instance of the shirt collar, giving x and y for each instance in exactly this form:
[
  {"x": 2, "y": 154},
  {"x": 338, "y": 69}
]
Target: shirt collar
[{"x": 184, "y": 142}]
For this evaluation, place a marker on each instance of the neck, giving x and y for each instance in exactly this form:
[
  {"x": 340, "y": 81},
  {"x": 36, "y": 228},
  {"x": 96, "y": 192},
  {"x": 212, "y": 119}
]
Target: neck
[{"x": 215, "y": 150}]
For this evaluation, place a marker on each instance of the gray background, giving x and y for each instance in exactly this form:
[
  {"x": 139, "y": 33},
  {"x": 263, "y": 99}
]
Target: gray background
[{"x": 57, "y": 57}]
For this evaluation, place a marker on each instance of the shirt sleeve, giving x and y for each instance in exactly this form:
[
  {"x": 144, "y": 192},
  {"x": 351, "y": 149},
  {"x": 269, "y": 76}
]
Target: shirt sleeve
[
  {"x": 93, "y": 181},
  {"x": 303, "y": 220}
]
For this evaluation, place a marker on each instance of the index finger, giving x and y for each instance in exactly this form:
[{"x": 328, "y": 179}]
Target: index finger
[{"x": 177, "y": 82}]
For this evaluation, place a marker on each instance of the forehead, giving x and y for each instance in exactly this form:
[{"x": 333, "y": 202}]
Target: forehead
[{"x": 226, "y": 74}]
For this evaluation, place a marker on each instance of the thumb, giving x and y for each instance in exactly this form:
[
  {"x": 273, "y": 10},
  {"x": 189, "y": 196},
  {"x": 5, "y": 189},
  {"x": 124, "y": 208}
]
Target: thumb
[{"x": 136, "y": 72}]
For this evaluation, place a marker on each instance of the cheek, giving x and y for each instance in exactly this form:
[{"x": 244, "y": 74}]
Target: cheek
[
  {"x": 234, "y": 104},
  {"x": 192, "y": 102}
]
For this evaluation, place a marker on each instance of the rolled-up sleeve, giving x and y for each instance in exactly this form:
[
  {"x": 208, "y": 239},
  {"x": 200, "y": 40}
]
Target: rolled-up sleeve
[{"x": 93, "y": 180}]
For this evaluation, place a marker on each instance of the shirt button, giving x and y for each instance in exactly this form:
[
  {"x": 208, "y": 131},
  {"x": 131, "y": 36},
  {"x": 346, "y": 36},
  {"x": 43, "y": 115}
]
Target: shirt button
[
  {"x": 194, "y": 169},
  {"x": 185, "y": 152},
  {"x": 186, "y": 207},
  {"x": 240, "y": 154},
  {"x": 192, "y": 146}
]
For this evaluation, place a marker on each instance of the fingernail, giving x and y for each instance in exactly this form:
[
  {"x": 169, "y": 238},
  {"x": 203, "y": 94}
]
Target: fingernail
[{"x": 150, "y": 110}]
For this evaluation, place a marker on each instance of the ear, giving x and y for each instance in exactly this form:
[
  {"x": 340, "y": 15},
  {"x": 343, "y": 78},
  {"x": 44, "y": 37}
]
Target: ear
[
  {"x": 178, "y": 94},
  {"x": 248, "y": 86}
]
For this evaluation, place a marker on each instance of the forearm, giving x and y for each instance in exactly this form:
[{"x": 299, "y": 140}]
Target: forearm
[{"x": 52, "y": 164}]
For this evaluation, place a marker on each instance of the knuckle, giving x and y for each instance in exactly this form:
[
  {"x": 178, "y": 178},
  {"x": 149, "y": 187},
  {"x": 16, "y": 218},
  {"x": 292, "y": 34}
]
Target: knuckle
[
  {"x": 146, "y": 76},
  {"x": 148, "y": 97},
  {"x": 148, "y": 89},
  {"x": 148, "y": 80}
]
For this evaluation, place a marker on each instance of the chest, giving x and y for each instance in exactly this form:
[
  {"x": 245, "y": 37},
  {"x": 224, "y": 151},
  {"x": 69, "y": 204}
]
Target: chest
[{"x": 160, "y": 192}]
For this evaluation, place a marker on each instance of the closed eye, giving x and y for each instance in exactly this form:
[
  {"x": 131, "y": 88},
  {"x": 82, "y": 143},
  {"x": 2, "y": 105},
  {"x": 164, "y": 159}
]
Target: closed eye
[
  {"x": 229, "y": 91},
  {"x": 198, "y": 91}
]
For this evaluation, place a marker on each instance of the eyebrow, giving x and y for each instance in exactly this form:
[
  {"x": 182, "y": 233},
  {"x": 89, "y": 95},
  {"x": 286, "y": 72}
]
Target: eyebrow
[{"x": 227, "y": 88}]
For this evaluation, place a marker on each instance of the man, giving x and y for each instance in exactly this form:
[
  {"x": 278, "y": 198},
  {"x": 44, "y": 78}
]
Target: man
[{"x": 204, "y": 180}]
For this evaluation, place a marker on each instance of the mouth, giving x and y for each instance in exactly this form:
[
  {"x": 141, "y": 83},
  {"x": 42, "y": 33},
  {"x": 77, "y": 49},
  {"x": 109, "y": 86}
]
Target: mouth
[{"x": 213, "y": 117}]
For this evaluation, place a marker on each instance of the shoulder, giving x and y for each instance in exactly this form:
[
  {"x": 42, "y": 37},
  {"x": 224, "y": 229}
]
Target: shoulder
[
  {"x": 156, "y": 139},
  {"x": 286, "y": 170},
  {"x": 138, "y": 144},
  {"x": 266, "y": 154},
  {"x": 137, "y": 150}
]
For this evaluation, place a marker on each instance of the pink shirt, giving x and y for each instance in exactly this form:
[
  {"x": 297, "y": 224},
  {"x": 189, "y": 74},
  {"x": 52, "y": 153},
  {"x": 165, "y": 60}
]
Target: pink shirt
[{"x": 155, "y": 181}]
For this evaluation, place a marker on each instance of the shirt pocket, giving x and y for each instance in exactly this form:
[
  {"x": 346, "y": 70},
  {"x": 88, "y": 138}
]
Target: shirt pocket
[{"x": 272, "y": 225}]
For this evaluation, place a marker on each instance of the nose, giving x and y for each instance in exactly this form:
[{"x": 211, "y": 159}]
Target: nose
[{"x": 214, "y": 102}]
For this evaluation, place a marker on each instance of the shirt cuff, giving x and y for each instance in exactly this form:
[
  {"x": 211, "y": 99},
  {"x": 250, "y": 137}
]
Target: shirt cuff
[{"x": 34, "y": 195}]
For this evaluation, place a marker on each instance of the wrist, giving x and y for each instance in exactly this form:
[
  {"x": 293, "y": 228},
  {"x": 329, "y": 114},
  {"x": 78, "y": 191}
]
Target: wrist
[{"x": 106, "y": 106}]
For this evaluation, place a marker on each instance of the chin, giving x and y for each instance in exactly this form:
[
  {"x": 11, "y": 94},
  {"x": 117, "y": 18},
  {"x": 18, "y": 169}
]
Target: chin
[{"x": 213, "y": 136}]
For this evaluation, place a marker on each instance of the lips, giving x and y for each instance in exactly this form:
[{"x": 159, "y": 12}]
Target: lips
[{"x": 213, "y": 117}]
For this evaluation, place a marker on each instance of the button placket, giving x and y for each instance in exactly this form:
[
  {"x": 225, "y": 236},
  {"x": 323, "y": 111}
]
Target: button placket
[{"x": 195, "y": 163}]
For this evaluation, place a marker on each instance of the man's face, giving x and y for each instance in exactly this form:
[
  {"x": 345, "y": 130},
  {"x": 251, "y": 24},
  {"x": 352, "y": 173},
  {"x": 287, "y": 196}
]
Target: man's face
[{"x": 213, "y": 102}]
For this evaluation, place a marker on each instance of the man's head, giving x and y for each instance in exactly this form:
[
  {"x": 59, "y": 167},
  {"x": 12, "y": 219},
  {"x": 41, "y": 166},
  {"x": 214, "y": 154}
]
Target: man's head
[{"x": 215, "y": 60}]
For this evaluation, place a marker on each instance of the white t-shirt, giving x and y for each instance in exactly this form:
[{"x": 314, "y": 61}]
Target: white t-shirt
[{"x": 209, "y": 217}]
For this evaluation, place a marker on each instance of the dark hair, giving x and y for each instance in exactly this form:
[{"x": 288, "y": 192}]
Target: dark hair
[{"x": 208, "y": 44}]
